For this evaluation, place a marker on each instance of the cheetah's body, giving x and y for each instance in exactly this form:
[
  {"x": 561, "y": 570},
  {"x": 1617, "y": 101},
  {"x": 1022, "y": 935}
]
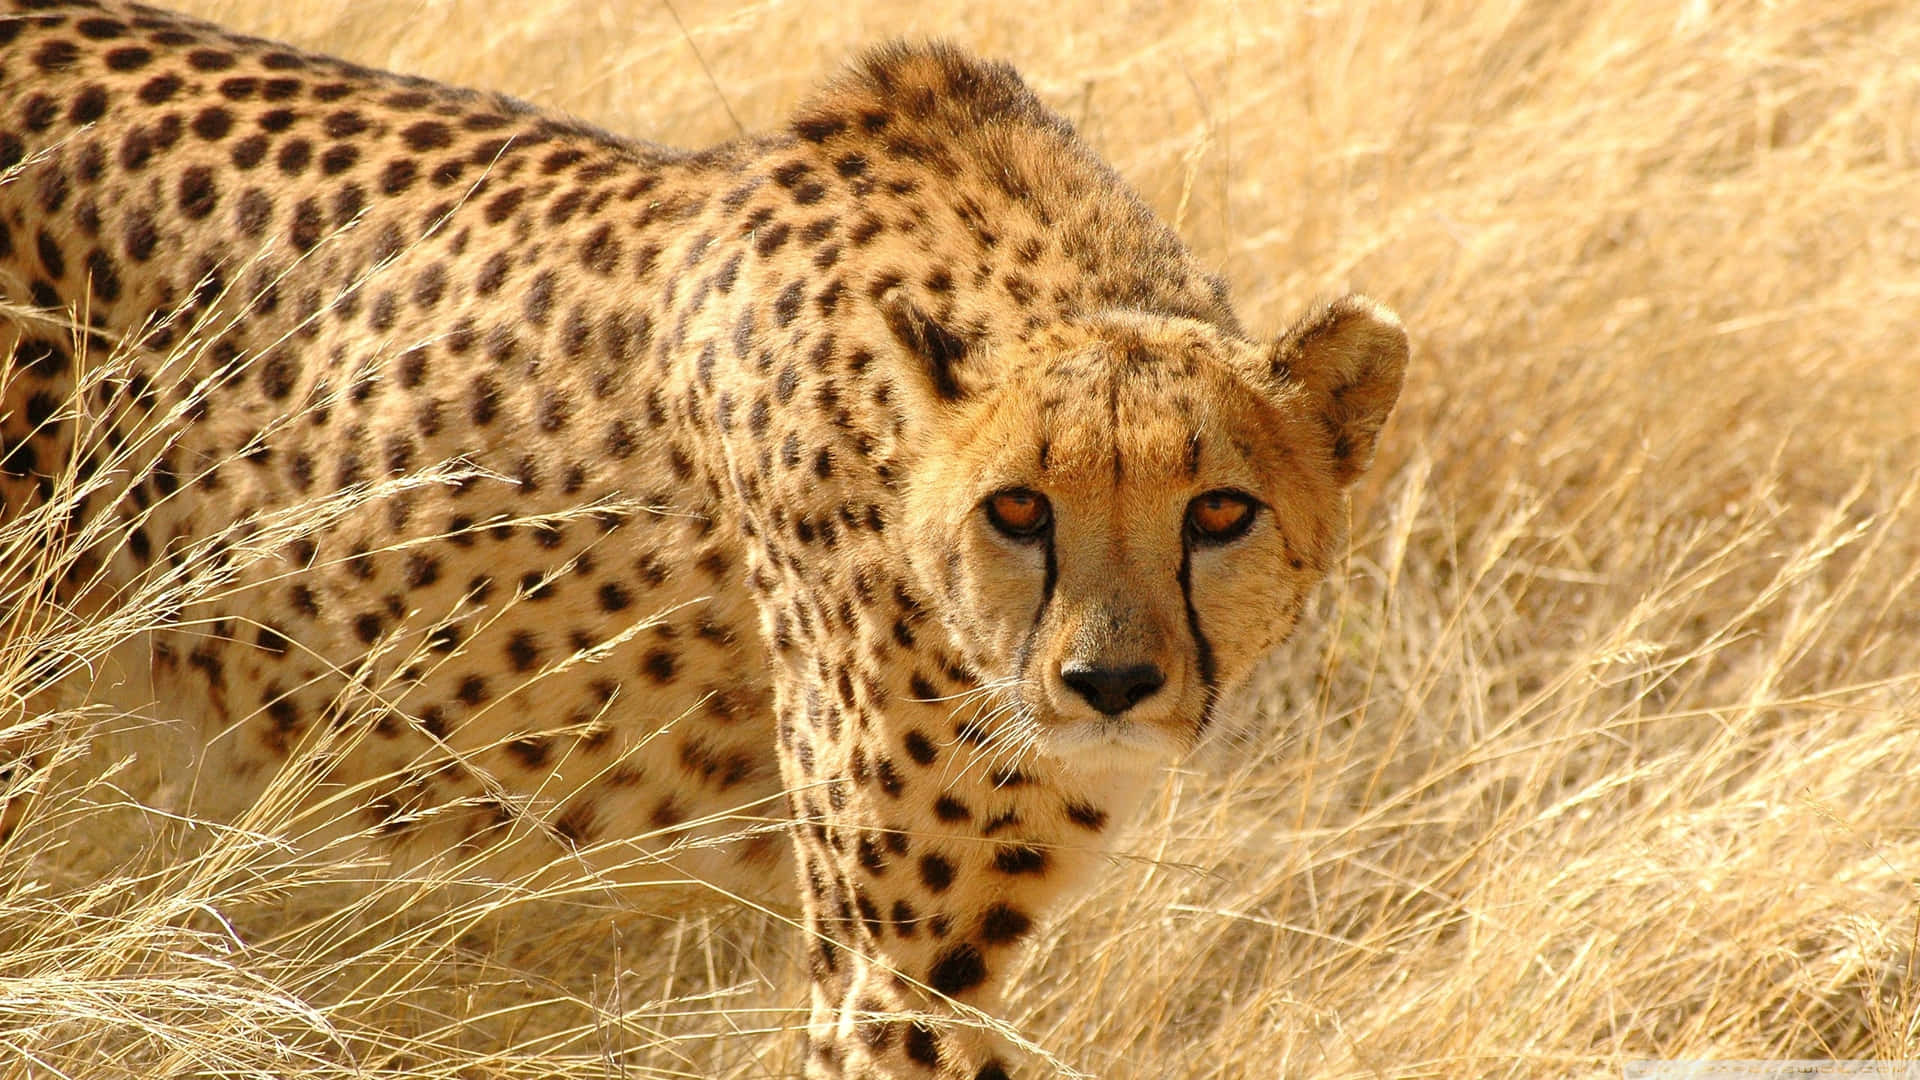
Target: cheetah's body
[{"x": 622, "y": 453}]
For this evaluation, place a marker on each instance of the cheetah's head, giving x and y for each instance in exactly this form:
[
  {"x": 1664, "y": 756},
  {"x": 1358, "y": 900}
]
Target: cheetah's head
[{"x": 1134, "y": 512}]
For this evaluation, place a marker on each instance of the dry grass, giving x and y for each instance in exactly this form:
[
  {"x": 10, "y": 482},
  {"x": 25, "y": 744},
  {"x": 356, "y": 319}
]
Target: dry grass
[{"x": 1604, "y": 748}]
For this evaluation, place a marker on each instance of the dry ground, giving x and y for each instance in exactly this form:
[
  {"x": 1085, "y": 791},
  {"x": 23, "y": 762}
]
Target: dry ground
[{"x": 1603, "y": 748}]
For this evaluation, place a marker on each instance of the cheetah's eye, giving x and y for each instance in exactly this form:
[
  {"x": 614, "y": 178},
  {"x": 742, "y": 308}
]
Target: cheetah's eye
[
  {"x": 1019, "y": 513},
  {"x": 1220, "y": 517}
]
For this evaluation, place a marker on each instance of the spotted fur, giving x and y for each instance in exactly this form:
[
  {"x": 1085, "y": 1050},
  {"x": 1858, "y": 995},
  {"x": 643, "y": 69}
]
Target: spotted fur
[{"x": 646, "y": 489}]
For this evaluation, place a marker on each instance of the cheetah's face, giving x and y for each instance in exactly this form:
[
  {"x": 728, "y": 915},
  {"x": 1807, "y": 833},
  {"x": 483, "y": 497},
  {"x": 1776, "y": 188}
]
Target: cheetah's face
[{"x": 1133, "y": 517}]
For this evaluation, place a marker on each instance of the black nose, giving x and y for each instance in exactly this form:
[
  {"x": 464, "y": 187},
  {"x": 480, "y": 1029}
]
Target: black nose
[{"x": 1113, "y": 690}]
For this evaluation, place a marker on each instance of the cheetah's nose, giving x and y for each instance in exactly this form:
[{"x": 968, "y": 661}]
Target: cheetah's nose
[{"x": 1113, "y": 690}]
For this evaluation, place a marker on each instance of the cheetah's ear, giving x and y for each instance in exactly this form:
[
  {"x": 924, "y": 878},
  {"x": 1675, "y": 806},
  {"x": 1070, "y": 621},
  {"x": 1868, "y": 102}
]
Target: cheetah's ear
[
  {"x": 941, "y": 349},
  {"x": 1351, "y": 356}
]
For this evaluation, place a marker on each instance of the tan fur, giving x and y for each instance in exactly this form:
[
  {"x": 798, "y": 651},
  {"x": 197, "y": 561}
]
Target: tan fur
[{"x": 706, "y": 442}]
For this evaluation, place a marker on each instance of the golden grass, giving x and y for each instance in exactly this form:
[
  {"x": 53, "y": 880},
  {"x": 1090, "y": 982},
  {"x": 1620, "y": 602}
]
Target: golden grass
[{"x": 1603, "y": 747}]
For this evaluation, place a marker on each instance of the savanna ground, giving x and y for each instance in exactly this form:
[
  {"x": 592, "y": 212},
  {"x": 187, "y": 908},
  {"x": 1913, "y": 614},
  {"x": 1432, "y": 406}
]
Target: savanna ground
[{"x": 1605, "y": 745}]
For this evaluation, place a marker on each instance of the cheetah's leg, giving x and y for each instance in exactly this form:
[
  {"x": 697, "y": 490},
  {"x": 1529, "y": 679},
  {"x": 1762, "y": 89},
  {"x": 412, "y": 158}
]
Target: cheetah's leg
[{"x": 927, "y": 853}]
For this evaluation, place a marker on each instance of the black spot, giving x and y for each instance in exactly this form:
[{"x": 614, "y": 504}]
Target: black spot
[
  {"x": 56, "y": 55},
  {"x": 248, "y": 151},
  {"x": 271, "y": 640},
  {"x": 212, "y": 123},
  {"x": 101, "y": 29},
  {"x": 278, "y": 371},
  {"x": 522, "y": 651},
  {"x": 282, "y": 710},
  {"x": 344, "y": 124},
  {"x": 888, "y": 779},
  {"x": 419, "y": 99},
  {"x": 214, "y": 60},
  {"x": 770, "y": 239},
  {"x": 1020, "y": 860},
  {"x": 399, "y": 454},
  {"x": 493, "y": 273},
  {"x": 129, "y": 58},
  {"x": 786, "y": 307},
  {"x": 254, "y": 212},
  {"x": 294, "y": 156},
  {"x": 398, "y": 176},
  {"x": 40, "y": 111},
  {"x": 385, "y": 309},
  {"x": 338, "y": 159},
  {"x": 601, "y": 250},
  {"x": 421, "y": 570},
  {"x": 502, "y": 206},
  {"x": 300, "y": 471},
  {"x": 620, "y": 439},
  {"x": 104, "y": 280},
  {"x": 791, "y": 173},
  {"x": 40, "y": 408},
  {"x": 614, "y": 596},
  {"x": 539, "y": 303},
  {"x": 51, "y": 257},
  {"x": 958, "y": 970},
  {"x": 484, "y": 400},
  {"x": 302, "y": 598},
  {"x": 661, "y": 665},
  {"x": 552, "y": 410},
  {"x": 1085, "y": 816},
  {"x": 136, "y": 149},
  {"x": 560, "y": 159},
  {"x": 819, "y": 128},
  {"x": 412, "y": 368},
  {"x": 198, "y": 193},
  {"x": 427, "y": 135},
  {"x": 308, "y": 225},
  {"x": 921, "y": 1046},
  {"x": 920, "y": 748},
  {"x": 21, "y": 459},
  {"x": 531, "y": 750},
  {"x": 164, "y": 479},
  {"x": 936, "y": 872},
  {"x": 430, "y": 286},
  {"x": 89, "y": 104},
  {"x": 1002, "y": 924}
]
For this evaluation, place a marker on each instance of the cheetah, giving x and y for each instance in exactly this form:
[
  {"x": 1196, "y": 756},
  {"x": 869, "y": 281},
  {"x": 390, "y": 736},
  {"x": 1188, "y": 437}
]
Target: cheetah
[{"x": 894, "y": 476}]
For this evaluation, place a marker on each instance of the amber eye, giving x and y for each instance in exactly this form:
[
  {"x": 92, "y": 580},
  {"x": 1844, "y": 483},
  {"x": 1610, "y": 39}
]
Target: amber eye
[
  {"x": 1219, "y": 517},
  {"x": 1019, "y": 513}
]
